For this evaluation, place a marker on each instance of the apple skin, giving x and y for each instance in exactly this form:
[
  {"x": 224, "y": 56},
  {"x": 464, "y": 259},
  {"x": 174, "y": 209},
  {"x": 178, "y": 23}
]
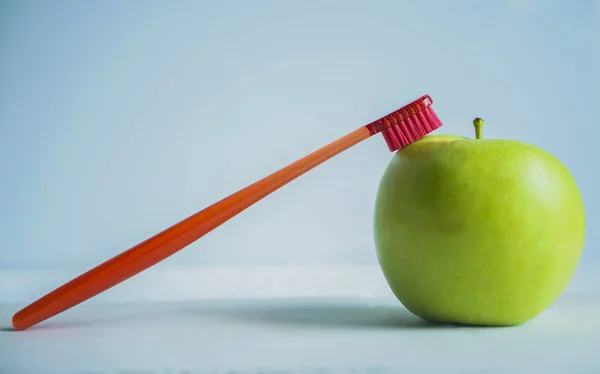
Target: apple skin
[{"x": 477, "y": 231}]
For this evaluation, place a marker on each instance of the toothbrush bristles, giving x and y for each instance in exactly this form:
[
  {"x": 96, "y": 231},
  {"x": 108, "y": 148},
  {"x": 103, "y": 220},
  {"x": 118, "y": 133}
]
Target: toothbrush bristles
[{"x": 407, "y": 124}]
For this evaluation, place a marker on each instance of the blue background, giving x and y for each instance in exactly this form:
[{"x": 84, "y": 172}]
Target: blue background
[{"x": 119, "y": 118}]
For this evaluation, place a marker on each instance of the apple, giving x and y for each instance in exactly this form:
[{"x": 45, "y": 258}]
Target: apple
[{"x": 477, "y": 231}]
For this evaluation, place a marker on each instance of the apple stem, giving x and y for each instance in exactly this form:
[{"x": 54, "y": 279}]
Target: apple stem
[{"x": 478, "y": 123}]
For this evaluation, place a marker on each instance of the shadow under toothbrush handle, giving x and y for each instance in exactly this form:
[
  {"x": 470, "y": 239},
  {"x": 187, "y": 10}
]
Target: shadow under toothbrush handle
[{"x": 171, "y": 240}]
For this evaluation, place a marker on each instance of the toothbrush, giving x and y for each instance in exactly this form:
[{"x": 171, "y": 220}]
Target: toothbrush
[{"x": 399, "y": 129}]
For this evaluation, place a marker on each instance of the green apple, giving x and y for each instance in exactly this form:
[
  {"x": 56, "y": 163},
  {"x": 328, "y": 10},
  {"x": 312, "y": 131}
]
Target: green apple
[{"x": 477, "y": 231}]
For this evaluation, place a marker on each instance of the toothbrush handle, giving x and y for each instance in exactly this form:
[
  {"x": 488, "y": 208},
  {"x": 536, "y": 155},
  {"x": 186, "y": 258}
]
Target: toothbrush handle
[{"x": 173, "y": 239}]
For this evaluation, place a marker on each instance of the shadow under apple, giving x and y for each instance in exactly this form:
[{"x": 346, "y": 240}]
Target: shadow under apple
[{"x": 318, "y": 314}]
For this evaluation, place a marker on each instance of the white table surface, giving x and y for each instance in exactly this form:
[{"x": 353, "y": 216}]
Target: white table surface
[{"x": 296, "y": 336}]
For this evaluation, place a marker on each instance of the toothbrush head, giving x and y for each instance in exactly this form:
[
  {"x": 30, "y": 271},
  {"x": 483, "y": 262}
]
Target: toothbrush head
[{"x": 407, "y": 124}]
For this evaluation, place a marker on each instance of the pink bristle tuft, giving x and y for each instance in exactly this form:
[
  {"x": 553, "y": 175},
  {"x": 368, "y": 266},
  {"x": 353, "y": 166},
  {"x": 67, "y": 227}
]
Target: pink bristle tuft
[
  {"x": 390, "y": 138},
  {"x": 407, "y": 124}
]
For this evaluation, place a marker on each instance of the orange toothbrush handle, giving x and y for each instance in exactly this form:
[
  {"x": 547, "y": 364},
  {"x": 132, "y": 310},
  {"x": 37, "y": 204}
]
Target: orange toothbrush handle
[{"x": 175, "y": 238}]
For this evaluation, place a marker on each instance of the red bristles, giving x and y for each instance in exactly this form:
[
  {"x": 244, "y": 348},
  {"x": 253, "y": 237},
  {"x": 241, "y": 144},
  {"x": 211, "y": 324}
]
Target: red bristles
[{"x": 407, "y": 124}]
